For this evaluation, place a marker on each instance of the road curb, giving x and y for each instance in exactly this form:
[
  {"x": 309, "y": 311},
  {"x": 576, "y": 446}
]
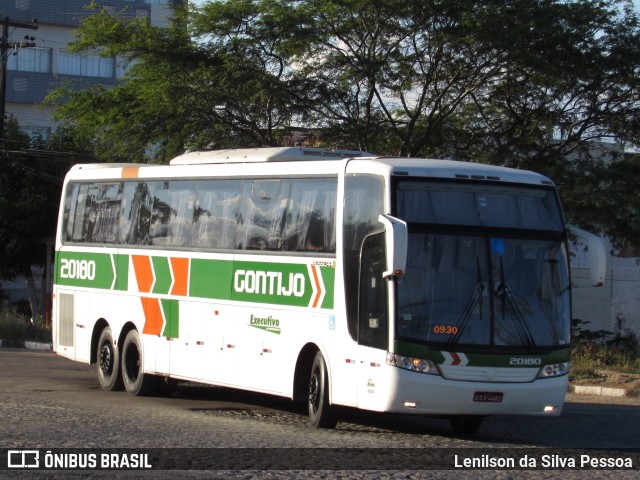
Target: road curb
[
  {"x": 603, "y": 391},
  {"x": 25, "y": 344}
]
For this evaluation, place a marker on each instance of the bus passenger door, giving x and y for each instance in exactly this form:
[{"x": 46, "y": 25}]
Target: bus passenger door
[{"x": 373, "y": 324}]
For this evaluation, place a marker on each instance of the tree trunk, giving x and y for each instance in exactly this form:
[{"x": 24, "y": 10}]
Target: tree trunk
[{"x": 33, "y": 297}]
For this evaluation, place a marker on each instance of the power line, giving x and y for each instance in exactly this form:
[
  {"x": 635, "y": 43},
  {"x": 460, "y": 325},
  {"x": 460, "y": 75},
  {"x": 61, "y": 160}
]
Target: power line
[
  {"x": 5, "y": 45},
  {"x": 41, "y": 175}
]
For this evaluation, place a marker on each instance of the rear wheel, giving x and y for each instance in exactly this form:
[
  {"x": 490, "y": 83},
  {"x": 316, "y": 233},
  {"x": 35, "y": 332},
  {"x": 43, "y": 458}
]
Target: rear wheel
[
  {"x": 466, "y": 424},
  {"x": 108, "y": 362},
  {"x": 135, "y": 381},
  {"x": 321, "y": 414}
]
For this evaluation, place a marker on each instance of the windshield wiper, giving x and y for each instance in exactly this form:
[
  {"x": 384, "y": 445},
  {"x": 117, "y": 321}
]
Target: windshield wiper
[
  {"x": 467, "y": 311},
  {"x": 509, "y": 304}
]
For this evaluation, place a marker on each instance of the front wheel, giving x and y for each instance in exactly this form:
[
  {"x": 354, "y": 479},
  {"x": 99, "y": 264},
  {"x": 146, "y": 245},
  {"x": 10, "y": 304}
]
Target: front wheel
[
  {"x": 108, "y": 362},
  {"x": 321, "y": 414},
  {"x": 135, "y": 381}
]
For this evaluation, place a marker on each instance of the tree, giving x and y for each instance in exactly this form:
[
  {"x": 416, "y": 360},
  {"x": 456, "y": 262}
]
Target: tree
[
  {"x": 180, "y": 92},
  {"x": 523, "y": 83},
  {"x": 31, "y": 178}
]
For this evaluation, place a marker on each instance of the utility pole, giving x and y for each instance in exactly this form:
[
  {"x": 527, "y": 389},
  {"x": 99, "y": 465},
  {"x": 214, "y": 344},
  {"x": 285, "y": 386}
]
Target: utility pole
[{"x": 5, "y": 45}]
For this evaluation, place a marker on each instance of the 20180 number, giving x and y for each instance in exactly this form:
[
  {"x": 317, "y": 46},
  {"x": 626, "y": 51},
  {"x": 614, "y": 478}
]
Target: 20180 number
[{"x": 80, "y": 269}]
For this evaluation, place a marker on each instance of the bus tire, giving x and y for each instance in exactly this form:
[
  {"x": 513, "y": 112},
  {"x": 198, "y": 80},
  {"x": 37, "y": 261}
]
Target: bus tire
[
  {"x": 135, "y": 381},
  {"x": 108, "y": 361},
  {"x": 466, "y": 424},
  {"x": 321, "y": 414}
]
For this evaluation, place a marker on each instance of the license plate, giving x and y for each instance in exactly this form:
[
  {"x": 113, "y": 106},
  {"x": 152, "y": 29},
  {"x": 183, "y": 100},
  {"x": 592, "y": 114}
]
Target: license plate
[{"x": 491, "y": 397}]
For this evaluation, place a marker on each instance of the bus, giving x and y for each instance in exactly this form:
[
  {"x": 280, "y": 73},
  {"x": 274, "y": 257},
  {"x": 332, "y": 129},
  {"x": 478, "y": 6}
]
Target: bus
[{"x": 336, "y": 278}]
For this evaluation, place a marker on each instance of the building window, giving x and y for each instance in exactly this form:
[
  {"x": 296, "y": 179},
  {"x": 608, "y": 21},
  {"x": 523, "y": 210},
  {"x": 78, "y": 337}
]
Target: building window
[
  {"x": 30, "y": 59},
  {"x": 20, "y": 84},
  {"x": 123, "y": 64},
  {"x": 84, "y": 65},
  {"x": 38, "y": 133}
]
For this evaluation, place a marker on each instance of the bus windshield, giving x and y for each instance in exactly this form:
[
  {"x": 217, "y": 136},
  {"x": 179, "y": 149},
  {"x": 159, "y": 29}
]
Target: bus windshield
[{"x": 486, "y": 282}]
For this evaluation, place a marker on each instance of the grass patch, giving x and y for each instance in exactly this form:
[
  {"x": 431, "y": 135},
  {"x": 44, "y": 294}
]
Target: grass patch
[
  {"x": 15, "y": 326},
  {"x": 594, "y": 352},
  {"x": 589, "y": 359}
]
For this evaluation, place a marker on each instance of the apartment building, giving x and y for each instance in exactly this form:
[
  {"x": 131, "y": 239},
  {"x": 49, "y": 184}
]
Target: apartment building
[{"x": 33, "y": 71}]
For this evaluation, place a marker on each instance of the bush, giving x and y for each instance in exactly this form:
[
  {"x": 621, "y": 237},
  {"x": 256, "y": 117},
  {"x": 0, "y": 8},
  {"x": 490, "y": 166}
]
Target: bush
[
  {"x": 603, "y": 350},
  {"x": 16, "y": 326},
  {"x": 12, "y": 325}
]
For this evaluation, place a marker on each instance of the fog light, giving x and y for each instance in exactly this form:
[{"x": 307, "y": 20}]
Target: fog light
[
  {"x": 549, "y": 409},
  {"x": 410, "y": 404}
]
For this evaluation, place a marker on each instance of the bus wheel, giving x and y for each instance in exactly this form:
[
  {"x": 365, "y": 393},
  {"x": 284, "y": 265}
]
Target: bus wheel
[
  {"x": 135, "y": 382},
  {"x": 466, "y": 424},
  {"x": 321, "y": 414},
  {"x": 108, "y": 362}
]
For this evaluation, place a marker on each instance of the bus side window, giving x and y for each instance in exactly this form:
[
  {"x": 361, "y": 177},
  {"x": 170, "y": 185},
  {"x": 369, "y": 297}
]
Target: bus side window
[
  {"x": 215, "y": 216},
  {"x": 136, "y": 214},
  {"x": 84, "y": 220},
  {"x": 373, "y": 323},
  {"x": 310, "y": 221},
  {"x": 172, "y": 216},
  {"x": 105, "y": 213},
  {"x": 262, "y": 215},
  {"x": 69, "y": 218}
]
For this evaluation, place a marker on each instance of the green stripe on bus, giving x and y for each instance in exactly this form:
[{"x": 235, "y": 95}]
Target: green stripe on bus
[
  {"x": 210, "y": 279},
  {"x": 287, "y": 284},
  {"x": 122, "y": 272},
  {"x": 329, "y": 279},
  {"x": 272, "y": 283},
  {"x": 171, "y": 311},
  {"x": 162, "y": 274},
  {"x": 261, "y": 282},
  {"x": 92, "y": 270}
]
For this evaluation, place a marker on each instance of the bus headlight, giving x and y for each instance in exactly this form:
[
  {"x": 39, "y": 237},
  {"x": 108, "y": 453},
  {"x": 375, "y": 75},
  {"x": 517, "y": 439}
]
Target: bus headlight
[
  {"x": 413, "y": 364},
  {"x": 554, "y": 370}
]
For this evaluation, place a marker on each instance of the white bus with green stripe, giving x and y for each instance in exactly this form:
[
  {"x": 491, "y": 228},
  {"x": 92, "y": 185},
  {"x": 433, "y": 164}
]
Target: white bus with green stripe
[{"x": 339, "y": 278}]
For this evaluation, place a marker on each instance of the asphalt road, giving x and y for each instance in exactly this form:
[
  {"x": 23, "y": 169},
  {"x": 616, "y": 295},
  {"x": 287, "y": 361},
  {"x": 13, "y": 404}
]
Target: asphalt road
[{"x": 48, "y": 402}]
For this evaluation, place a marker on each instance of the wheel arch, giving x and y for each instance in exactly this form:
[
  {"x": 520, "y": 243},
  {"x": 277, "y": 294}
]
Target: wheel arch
[
  {"x": 99, "y": 326},
  {"x": 126, "y": 328},
  {"x": 303, "y": 369}
]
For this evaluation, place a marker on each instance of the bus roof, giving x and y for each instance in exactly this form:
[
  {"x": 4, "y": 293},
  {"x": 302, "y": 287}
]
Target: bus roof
[
  {"x": 281, "y": 161},
  {"x": 274, "y": 154}
]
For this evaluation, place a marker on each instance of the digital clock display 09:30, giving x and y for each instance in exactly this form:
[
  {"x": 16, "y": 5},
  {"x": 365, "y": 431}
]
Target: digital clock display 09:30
[{"x": 445, "y": 329}]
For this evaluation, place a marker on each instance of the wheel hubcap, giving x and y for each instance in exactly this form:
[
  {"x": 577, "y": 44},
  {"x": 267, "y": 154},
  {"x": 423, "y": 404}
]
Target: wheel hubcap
[
  {"x": 105, "y": 359},
  {"x": 313, "y": 391}
]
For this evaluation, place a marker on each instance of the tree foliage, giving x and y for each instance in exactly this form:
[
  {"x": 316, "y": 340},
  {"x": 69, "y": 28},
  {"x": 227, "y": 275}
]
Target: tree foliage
[
  {"x": 523, "y": 83},
  {"x": 31, "y": 175}
]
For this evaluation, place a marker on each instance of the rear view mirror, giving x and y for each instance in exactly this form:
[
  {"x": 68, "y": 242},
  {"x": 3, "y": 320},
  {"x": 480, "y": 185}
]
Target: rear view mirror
[{"x": 396, "y": 239}]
